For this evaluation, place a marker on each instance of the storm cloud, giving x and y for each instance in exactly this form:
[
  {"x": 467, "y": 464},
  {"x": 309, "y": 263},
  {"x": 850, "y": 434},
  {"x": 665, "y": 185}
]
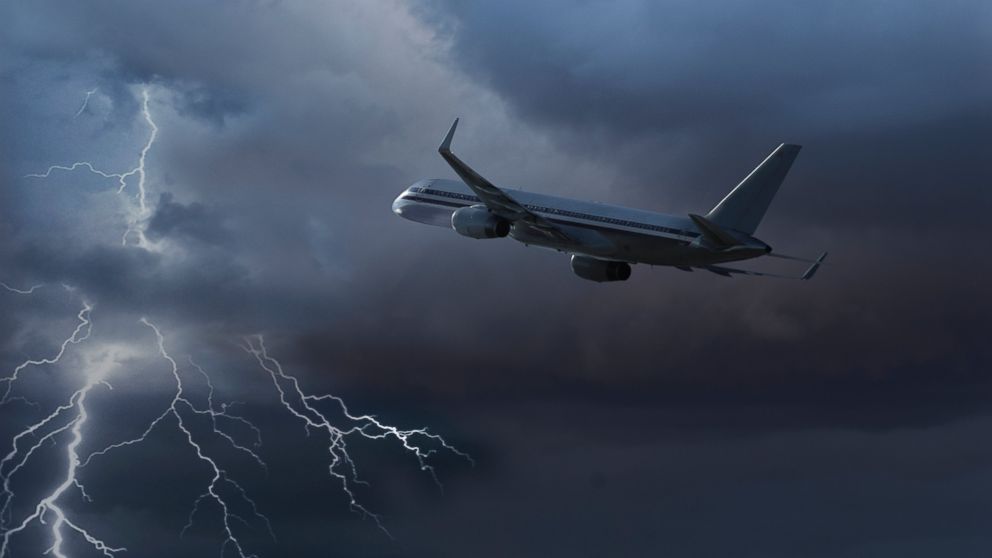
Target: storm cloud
[{"x": 684, "y": 414}]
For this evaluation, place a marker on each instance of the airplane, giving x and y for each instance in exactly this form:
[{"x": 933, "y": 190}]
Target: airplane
[{"x": 604, "y": 240}]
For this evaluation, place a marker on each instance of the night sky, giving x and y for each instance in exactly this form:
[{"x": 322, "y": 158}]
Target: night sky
[{"x": 677, "y": 414}]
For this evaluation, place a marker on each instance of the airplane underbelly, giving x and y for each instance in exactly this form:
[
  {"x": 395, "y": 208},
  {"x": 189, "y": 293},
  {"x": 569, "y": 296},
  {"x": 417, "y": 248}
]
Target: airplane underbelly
[
  {"x": 651, "y": 249},
  {"x": 612, "y": 244}
]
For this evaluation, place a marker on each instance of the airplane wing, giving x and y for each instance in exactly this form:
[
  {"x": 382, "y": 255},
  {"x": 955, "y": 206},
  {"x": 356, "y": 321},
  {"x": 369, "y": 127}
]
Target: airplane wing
[
  {"x": 729, "y": 271},
  {"x": 498, "y": 201}
]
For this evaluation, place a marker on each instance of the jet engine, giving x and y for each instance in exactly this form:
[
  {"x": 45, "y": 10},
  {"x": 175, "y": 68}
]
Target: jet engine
[
  {"x": 600, "y": 270},
  {"x": 478, "y": 222}
]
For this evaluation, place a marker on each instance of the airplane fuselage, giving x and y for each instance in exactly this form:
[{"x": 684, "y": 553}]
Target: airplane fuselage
[{"x": 597, "y": 230}]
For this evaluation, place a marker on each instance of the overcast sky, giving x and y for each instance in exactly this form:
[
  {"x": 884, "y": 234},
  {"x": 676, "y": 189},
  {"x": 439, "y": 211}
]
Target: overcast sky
[{"x": 675, "y": 414}]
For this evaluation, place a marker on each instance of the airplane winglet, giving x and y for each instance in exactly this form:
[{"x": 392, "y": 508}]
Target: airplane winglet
[
  {"x": 446, "y": 144},
  {"x": 812, "y": 269}
]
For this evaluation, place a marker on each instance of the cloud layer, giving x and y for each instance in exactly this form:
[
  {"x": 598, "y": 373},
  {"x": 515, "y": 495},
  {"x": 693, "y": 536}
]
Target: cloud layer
[{"x": 688, "y": 413}]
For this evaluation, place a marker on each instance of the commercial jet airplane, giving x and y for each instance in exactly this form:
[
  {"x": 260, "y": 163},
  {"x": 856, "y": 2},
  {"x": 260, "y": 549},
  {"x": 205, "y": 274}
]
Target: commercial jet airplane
[{"x": 602, "y": 239}]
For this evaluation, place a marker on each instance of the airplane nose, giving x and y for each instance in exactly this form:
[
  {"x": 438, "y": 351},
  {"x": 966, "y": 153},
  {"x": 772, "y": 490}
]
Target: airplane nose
[
  {"x": 398, "y": 204},
  {"x": 402, "y": 204}
]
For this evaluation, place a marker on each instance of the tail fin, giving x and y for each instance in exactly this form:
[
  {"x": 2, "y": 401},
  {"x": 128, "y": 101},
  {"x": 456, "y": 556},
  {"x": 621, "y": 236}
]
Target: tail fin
[{"x": 745, "y": 205}]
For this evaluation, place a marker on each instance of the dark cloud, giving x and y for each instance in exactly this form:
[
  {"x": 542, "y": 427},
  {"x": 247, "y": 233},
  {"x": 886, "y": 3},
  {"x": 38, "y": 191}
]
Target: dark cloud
[
  {"x": 685, "y": 413},
  {"x": 194, "y": 222},
  {"x": 648, "y": 68}
]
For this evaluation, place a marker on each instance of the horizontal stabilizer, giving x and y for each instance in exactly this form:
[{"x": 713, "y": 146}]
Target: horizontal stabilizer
[{"x": 730, "y": 271}]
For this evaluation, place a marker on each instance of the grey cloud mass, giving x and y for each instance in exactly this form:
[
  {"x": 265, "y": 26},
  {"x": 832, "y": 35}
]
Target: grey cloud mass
[{"x": 676, "y": 414}]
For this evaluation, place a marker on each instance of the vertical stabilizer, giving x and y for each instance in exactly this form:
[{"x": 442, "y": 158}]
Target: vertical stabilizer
[{"x": 746, "y": 204}]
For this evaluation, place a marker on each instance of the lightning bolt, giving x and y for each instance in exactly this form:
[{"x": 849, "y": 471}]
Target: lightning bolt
[
  {"x": 307, "y": 408},
  {"x": 219, "y": 479},
  {"x": 136, "y": 215},
  {"x": 48, "y": 510},
  {"x": 198, "y": 423},
  {"x": 86, "y": 102},
  {"x": 80, "y": 334},
  {"x": 27, "y": 291},
  {"x": 6, "y": 397}
]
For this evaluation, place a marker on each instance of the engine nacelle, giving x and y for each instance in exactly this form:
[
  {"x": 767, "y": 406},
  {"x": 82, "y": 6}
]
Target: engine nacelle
[
  {"x": 600, "y": 270},
  {"x": 478, "y": 222}
]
